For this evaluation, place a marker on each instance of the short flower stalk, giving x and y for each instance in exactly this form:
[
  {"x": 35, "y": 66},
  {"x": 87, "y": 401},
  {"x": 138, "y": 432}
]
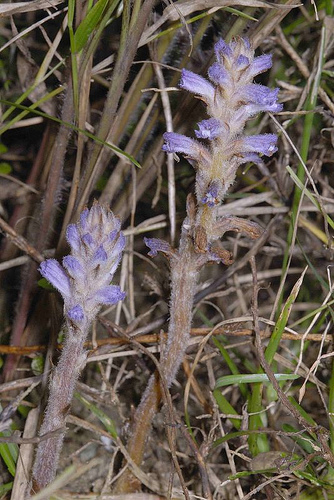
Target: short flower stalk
[
  {"x": 84, "y": 282},
  {"x": 231, "y": 98}
]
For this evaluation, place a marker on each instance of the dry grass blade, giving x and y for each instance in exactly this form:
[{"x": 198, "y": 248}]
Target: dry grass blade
[{"x": 20, "y": 7}]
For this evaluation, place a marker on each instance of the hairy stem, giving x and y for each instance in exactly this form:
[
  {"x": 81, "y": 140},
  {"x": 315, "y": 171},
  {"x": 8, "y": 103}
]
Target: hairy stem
[
  {"x": 62, "y": 387},
  {"x": 183, "y": 282}
]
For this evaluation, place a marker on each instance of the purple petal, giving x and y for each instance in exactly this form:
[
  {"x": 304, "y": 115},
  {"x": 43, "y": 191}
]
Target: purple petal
[
  {"x": 246, "y": 43},
  {"x": 259, "y": 94},
  {"x": 211, "y": 196},
  {"x": 249, "y": 157},
  {"x": 120, "y": 245},
  {"x": 100, "y": 255},
  {"x": 249, "y": 110},
  {"x": 178, "y": 143},
  {"x": 110, "y": 295},
  {"x": 223, "y": 50},
  {"x": 55, "y": 274},
  {"x": 218, "y": 74},
  {"x": 88, "y": 239},
  {"x": 242, "y": 62},
  {"x": 73, "y": 266},
  {"x": 73, "y": 237},
  {"x": 260, "y": 64},
  {"x": 209, "y": 129},
  {"x": 112, "y": 236},
  {"x": 83, "y": 218},
  {"x": 263, "y": 143},
  {"x": 196, "y": 84},
  {"x": 156, "y": 245},
  {"x": 76, "y": 314}
]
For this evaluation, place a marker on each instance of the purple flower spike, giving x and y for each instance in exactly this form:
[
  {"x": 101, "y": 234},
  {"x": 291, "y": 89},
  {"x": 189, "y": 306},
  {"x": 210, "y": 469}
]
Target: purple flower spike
[
  {"x": 232, "y": 98},
  {"x": 109, "y": 295},
  {"x": 156, "y": 245},
  {"x": 76, "y": 314},
  {"x": 96, "y": 248},
  {"x": 55, "y": 274},
  {"x": 263, "y": 143},
  {"x": 209, "y": 129},
  {"x": 197, "y": 84}
]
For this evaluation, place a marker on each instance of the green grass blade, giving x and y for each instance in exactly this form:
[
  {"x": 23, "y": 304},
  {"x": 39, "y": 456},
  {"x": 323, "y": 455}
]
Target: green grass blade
[
  {"x": 4, "y": 488},
  {"x": 88, "y": 25},
  {"x": 103, "y": 417},
  {"x": 257, "y": 442},
  {"x": 252, "y": 378},
  {"x": 226, "y": 408},
  {"x": 282, "y": 320},
  {"x": 7, "y": 457}
]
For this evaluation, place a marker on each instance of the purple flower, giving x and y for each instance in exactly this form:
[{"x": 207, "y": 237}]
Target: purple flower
[
  {"x": 156, "y": 245},
  {"x": 249, "y": 157},
  {"x": 242, "y": 62},
  {"x": 83, "y": 218},
  {"x": 73, "y": 267},
  {"x": 55, "y": 274},
  {"x": 88, "y": 239},
  {"x": 178, "y": 143},
  {"x": 100, "y": 255},
  {"x": 263, "y": 143},
  {"x": 76, "y": 314},
  {"x": 259, "y": 94},
  {"x": 223, "y": 50},
  {"x": 72, "y": 236},
  {"x": 211, "y": 196},
  {"x": 84, "y": 280},
  {"x": 197, "y": 84},
  {"x": 209, "y": 129},
  {"x": 218, "y": 74},
  {"x": 109, "y": 295},
  {"x": 260, "y": 64}
]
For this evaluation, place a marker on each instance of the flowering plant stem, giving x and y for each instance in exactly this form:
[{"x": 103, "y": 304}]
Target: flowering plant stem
[
  {"x": 60, "y": 397},
  {"x": 183, "y": 280}
]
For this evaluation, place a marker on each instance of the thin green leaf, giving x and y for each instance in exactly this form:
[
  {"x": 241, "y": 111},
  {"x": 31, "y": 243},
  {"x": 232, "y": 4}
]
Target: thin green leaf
[
  {"x": 282, "y": 320},
  {"x": 251, "y": 378},
  {"x": 4, "y": 488},
  {"x": 105, "y": 419},
  {"x": 88, "y": 25},
  {"x": 226, "y": 408}
]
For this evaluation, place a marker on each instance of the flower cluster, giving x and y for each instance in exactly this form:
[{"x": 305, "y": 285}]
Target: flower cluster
[
  {"x": 231, "y": 98},
  {"x": 84, "y": 278}
]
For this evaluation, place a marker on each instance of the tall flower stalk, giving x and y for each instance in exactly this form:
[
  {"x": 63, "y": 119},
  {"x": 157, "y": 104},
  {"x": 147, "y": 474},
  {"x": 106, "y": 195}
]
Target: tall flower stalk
[
  {"x": 84, "y": 282},
  {"x": 231, "y": 98}
]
